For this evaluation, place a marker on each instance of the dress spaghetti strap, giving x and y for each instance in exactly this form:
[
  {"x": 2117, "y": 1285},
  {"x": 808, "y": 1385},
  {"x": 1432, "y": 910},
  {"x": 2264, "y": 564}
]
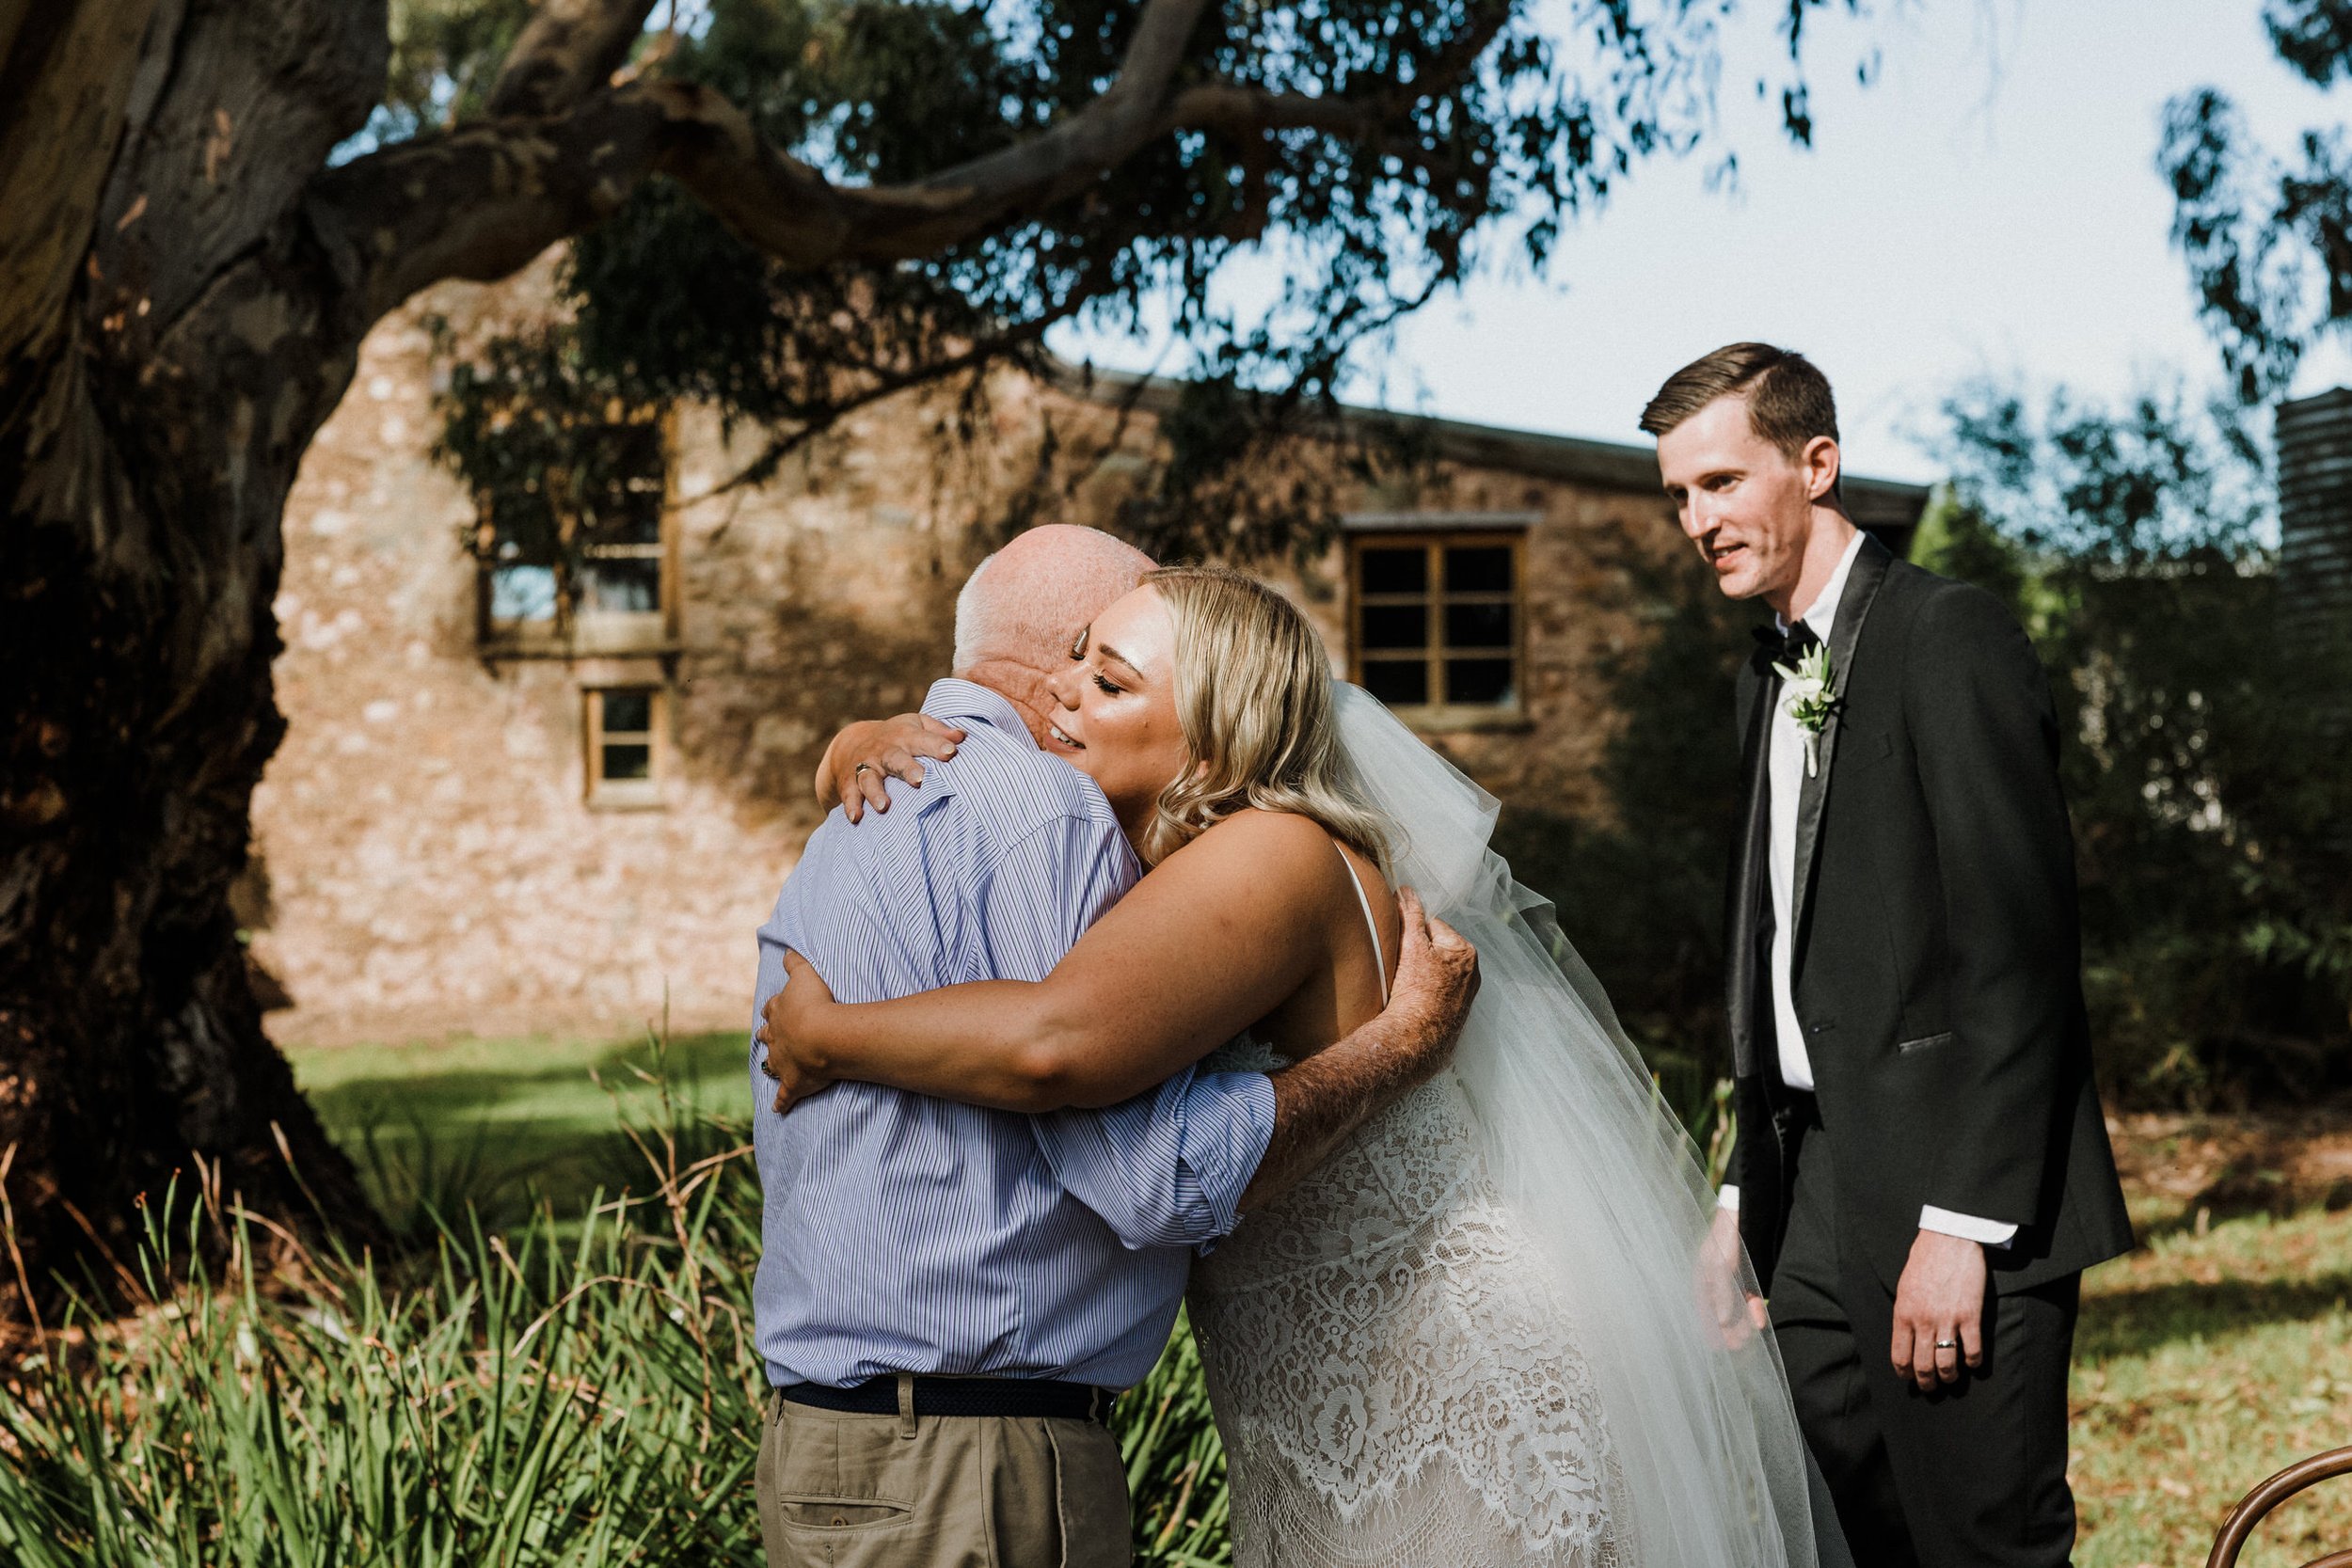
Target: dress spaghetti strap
[{"x": 1379, "y": 955}]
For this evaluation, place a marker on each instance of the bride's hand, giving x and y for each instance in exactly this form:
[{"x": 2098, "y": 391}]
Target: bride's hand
[
  {"x": 1728, "y": 1308},
  {"x": 852, "y": 768},
  {"x": 789, "y": 1027}
]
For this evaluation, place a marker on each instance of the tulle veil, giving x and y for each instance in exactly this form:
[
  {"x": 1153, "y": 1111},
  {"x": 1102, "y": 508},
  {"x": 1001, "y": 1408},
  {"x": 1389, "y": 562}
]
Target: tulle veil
[{"x": 1603, "y": 1180}]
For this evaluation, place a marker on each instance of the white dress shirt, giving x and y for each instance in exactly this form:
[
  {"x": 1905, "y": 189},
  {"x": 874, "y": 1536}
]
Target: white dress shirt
[{"x": 1785, "y": 783}]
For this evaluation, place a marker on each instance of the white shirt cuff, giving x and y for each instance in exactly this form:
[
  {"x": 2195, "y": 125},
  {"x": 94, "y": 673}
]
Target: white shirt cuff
[
  {"x": 1967, "y": 1226},
  {"x": 1729, "y": 1197}
]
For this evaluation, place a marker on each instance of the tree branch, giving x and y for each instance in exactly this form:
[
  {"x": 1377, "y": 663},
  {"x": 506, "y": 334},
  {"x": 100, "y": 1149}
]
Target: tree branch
[
  {"x": 1232, "y": 110},
  {"x": 567, "y": 49},
  {"x": 978, "y": 356},
  {"x": 480, "y": 202}
]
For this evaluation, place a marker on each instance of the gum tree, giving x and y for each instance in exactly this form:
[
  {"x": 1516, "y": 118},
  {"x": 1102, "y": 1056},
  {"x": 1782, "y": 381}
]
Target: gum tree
[
  {"x": 785, "y": 207},
  {"x": 2267, "y": 238}
]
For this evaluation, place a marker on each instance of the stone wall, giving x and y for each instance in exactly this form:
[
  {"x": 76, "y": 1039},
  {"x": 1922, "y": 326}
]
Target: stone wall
[{"x": 433, "y": 864}]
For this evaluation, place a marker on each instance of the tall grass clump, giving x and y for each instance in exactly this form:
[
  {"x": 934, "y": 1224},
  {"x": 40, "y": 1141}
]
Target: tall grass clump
[
  {"x": 1182, "y": 1510},
  {"x": 577, "y": 1389}
]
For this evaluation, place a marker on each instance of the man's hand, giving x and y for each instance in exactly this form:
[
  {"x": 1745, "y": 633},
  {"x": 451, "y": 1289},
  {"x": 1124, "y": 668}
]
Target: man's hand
[
  {"x": 1939, "y": 1310},
  {"x": 852, "y": 771},
  {"x": 785, "y": 1026},
  {"x": 1323, "y": 1099},
  {"x": 1436, "y": 980},
  {"x": 1727, "y": 1305}
]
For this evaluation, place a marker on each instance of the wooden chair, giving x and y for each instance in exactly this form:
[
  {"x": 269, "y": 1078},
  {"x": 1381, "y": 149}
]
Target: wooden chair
[{"x": 2270, "y": 1495}]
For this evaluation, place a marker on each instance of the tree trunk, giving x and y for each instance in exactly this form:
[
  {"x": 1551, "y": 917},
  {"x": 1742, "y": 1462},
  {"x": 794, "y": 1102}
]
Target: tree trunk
[
  {"x": 137, "y": 646},
  {"x": 170, "y": 339}
]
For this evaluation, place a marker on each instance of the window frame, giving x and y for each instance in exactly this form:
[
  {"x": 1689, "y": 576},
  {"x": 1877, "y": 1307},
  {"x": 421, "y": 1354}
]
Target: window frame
[
  {"x": 592, "y": 633},
  {"x": 626, "y": 794},
  {"x": 1434, "y": 539}
]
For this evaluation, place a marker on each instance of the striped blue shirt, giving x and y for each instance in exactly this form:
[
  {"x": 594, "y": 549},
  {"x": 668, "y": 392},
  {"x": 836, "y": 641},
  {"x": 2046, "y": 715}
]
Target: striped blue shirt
[{"x": 906, "y": 1234}]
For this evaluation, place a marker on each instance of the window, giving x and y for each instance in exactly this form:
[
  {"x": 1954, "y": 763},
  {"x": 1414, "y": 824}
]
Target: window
[
  {"x": 580, "y": 566},
  {"x": 628, "y": 749},
  {"x": 1436, "y": 621}
]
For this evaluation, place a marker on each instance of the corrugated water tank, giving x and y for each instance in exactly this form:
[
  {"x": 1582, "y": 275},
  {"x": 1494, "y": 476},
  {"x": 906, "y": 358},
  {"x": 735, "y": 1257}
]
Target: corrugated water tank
[{"x": 2315, "y": 517}]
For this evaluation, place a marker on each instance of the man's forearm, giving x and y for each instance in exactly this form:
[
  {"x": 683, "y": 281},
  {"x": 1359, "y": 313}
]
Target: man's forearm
[{"x": 1322, "y": 1100}]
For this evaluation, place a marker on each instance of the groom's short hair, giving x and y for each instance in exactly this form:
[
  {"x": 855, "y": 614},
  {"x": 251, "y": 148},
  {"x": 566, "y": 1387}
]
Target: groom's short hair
[{"x": 1788, "y": 399}]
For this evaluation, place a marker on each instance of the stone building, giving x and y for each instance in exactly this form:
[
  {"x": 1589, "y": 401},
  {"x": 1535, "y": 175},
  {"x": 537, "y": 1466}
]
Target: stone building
[{"x": 477, "y": 825}]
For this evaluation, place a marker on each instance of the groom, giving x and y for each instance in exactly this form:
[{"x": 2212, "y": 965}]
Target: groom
[
  {"x": 1921, "y": 1172},
  {"x": 949, "y": 1297}
]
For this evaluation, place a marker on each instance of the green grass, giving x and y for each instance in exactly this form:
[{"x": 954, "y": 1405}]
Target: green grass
[
  {"x": 508, "y": 1125},
  {"x": 2205, "y": 1364},
  {"x": 548, "y": 1376},
  {"x": 542, "y": 1397},
  {"x": 574, "y": 1387}
]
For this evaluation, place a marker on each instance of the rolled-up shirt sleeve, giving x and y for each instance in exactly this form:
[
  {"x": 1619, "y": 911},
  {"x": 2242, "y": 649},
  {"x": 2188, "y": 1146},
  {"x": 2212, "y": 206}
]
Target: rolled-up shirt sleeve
[{"x": 1166, "y": 1169}]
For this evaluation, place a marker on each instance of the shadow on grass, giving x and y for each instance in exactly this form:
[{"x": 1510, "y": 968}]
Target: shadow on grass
[
  {"x": 2241, "y": 1193},
  {"x": 507, "y": 1139},
  {"x": 2135, "y": 1323},
  {"x": 439, "y": 1095}
]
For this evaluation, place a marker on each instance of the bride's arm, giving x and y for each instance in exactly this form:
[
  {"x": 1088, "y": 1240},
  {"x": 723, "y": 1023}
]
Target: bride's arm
[
  {"x": 1212, "y": 940},
  {"x": 849, "y": 774}
]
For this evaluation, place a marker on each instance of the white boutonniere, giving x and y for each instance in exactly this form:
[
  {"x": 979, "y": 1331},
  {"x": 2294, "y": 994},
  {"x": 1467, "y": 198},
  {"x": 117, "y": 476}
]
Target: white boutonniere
[{"x": 1806, "y": 697}]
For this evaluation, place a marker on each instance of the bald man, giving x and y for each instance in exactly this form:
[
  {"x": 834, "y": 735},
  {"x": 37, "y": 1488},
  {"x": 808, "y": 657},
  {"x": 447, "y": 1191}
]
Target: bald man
[
  {"x": 1019, "y": 613},
  {"x": 949, "y": 1297}
]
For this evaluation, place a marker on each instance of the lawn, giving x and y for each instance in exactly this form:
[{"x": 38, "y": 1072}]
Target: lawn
[
  {"x": 508, "y": 1124},
  {"x": 2222, "y": 1350},
  {"x": 2215, "y": 1356}
]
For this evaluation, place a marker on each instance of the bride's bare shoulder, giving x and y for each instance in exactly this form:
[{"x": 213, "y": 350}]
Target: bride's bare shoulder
[
  {"x": 1271, "y": 839},
  {"x": 1257, "y": 827}
]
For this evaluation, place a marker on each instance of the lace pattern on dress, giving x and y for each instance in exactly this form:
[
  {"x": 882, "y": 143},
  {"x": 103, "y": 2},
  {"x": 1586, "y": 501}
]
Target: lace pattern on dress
[{"x": 1395, "y": 1380}]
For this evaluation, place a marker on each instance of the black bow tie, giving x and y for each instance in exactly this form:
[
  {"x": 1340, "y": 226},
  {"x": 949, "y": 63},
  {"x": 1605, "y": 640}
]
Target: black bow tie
[{"x": 1787, "y": 648}]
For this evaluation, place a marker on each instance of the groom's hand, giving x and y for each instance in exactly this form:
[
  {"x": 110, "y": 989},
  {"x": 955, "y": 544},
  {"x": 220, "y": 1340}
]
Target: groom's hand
[
  {"x": 1729, "y": 1307},
  {"x": 1939, "y": 1310},
  {"x": 1325, "y": 1097}
]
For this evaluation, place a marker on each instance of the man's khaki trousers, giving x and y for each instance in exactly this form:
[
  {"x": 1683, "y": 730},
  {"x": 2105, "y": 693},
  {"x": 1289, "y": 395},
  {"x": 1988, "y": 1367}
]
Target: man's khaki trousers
[{"x": 842, "y": 1490}]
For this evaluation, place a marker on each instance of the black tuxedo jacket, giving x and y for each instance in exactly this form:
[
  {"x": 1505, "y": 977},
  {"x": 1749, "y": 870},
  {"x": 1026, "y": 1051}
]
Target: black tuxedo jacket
[{"x": 1937, "y": 960}]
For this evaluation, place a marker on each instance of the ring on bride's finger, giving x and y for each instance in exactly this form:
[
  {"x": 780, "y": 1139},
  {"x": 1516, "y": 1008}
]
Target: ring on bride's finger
[{"x": 861, "y": 767}]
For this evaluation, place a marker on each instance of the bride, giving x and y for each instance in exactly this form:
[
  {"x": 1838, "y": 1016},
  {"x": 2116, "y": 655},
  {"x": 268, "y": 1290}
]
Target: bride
[{"x": 1469, "y": 1338}]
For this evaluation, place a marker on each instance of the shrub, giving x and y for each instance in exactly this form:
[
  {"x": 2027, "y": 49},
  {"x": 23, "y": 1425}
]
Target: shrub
[
  {"x": 580, "y": 1391},
  {"x": 2203, "y": 750}
]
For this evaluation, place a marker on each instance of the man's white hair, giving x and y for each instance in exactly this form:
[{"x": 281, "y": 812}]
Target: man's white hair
[
  {"x": 972, "y": 614},
  {"x": 1026, "y": 604}
]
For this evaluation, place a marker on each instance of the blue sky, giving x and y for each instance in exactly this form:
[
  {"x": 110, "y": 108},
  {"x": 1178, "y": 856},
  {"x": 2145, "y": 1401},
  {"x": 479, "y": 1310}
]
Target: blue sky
[{"x": 1988, "y": 205}]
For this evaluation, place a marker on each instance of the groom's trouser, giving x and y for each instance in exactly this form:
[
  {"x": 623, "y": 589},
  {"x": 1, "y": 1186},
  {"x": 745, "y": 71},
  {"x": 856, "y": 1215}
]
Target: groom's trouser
[
  {"x": 1971, "y": 1476},
  {"x": 853, "y": 1491}
]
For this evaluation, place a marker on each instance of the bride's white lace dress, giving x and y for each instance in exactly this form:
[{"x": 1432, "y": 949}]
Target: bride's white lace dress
[
  {"x": 1394, "y": 1381},
  {"x": 1470, "y": 1339}
]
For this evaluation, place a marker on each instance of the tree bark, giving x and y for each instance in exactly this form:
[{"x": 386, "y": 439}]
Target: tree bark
[{"x": 167, "y": 348}]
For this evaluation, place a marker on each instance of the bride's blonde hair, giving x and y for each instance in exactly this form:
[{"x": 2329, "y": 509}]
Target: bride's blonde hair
[{"x": 1253, "y": 696}]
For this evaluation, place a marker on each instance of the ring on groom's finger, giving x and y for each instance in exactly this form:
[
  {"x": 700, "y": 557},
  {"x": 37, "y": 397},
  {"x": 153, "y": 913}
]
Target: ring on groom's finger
[{"x": 1947, "y": 1344}]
